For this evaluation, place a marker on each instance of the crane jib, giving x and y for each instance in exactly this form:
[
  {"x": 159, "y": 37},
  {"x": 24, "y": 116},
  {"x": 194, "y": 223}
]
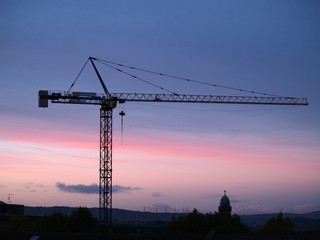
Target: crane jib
[{"x": 100, "y": 99}]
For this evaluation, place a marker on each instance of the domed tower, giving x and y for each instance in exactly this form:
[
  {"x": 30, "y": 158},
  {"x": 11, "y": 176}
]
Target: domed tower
[{"x": 225, "y": 207}]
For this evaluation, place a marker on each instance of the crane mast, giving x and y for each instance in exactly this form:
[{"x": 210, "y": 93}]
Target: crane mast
[
  {"x": 108, "y": 101},
  {"x": 105, "y": 168}
]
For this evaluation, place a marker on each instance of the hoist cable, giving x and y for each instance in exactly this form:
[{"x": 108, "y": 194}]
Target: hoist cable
[{"x": 121, "y": 130}]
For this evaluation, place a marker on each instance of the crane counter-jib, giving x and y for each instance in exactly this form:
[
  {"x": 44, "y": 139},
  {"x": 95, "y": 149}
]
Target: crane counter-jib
[{"x": 100, "y": 99}]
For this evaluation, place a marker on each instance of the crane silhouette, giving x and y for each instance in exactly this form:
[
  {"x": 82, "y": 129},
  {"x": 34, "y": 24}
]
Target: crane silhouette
[{"x": 108, "y": 101}]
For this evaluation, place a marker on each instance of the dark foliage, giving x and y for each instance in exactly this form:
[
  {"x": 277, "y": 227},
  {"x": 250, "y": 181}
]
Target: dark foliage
[
  {"x": 196, "y": 222},
  {"x": 277, "y": 225},
  {"x": 57, "y": 222},
  {"x": 19, "y": 224},
  {"x": 80, "y": 220}
]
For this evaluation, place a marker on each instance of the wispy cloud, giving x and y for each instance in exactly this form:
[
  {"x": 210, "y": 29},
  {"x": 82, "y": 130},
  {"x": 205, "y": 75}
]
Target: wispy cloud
[
  {"x": 238, "y": 201},
  {"x": 157, "y": 194},
  {"x": 162, "y": 207},
  {"x": 92, "y": 189},
  {"x": 258, "y": 209},
  {"x": 123, "y": 189},
  {"x": 32, "y": 187},
  {"x": 215, "y": 196},
  {"x": 233, "y": 199},
  {"x": 307, "y": 207}
]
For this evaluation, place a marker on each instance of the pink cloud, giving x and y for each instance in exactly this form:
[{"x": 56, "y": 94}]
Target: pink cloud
[
  {"x": 172, "y": 150},
  {"x": 62, "y": 138},
  {"x": 146, "y": 147},
  {"x": 144, "y": 159}
]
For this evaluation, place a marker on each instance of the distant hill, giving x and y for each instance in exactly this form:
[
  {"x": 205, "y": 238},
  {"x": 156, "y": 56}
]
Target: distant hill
[
  {"x": 117, "y": 214},
  {"x": 302, "y": 222},
  {"x": 2, "y": 203}
]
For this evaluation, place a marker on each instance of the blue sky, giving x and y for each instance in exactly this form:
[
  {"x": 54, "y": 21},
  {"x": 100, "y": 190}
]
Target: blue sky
[{"x": 264, "y": 46}]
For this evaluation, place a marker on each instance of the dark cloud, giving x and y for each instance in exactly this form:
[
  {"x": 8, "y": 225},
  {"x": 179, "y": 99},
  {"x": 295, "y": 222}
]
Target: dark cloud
[
  {"x": 78, "y": 188},
  {"x": 92, "y": 189}
]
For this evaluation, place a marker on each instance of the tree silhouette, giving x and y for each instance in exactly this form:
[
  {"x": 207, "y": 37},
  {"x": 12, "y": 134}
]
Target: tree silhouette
[
  {"x": 19, "y": 224},
  {"x": 277, "y": 225},
  {"x": 80, "y": 220},
  {"x": 196, "y": 222},
  {"x": 57, "y": 222}
]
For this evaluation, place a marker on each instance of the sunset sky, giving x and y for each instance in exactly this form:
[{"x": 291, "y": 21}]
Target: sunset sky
[{"x": 173, "y": 155}]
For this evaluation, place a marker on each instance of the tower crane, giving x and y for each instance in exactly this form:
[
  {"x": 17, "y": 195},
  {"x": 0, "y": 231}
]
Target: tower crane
[{"x": 108, "y": 101}]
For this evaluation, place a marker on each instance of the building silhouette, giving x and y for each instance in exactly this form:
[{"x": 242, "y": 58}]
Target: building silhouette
[
  {"x": 11, "y": 209},
  {"x": 225, "y": 207}
]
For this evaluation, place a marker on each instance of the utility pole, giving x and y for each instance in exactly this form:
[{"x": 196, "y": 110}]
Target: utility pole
[{"x": 9, "y": 197}]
